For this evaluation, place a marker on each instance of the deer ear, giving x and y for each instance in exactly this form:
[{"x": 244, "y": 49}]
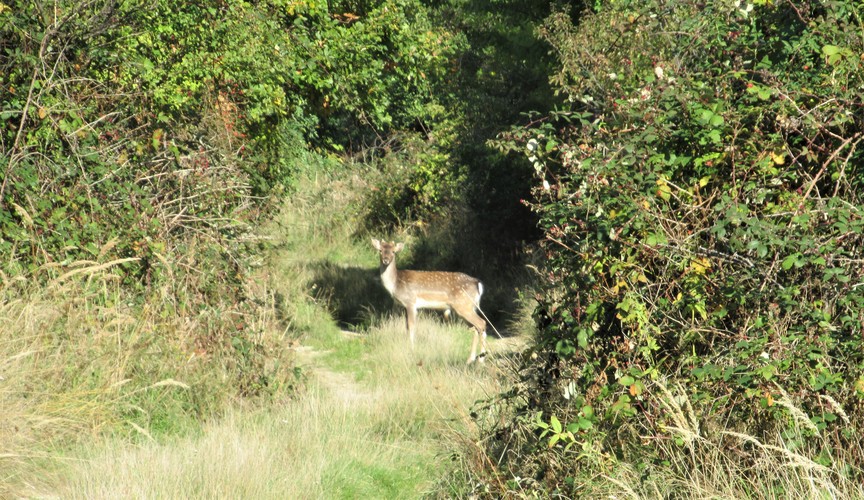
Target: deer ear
[
  {"x": 398, "y": 247},
  {"x": 376, "y": 244}
]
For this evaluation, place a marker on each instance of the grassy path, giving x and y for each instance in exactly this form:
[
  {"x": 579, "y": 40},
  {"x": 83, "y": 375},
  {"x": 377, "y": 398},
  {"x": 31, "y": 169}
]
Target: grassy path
[
  {"x": 387, "y": 428},
  {"x": 373, "y": 420}
]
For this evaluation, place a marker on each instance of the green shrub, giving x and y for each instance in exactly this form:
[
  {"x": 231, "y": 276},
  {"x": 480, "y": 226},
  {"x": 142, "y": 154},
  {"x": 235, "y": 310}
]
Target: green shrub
[{"x": 699, "y": 191}]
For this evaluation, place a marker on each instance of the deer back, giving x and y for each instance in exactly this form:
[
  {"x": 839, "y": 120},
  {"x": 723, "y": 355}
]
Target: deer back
[{"x": 436, "y": 289}]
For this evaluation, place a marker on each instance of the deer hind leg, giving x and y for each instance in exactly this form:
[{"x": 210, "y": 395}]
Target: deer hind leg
[
  {"x": 473, "y": 357},
  {"x": 479, "y": 325},
  {"x": 482, "y": 338}
]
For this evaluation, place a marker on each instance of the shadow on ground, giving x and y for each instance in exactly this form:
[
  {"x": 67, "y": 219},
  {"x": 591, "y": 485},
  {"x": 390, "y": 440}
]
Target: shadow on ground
[{"x": 355, "y": 297}]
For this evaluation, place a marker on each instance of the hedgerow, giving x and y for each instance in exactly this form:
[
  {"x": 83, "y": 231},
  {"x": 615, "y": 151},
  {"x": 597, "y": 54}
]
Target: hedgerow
[
  {"x": 139, "y": 146},
  {"x": 699, "y": 192}
]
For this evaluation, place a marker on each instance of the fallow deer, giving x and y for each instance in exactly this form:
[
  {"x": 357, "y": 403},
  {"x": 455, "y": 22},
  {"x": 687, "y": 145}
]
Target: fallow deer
[{"x": 433, "y": 290}]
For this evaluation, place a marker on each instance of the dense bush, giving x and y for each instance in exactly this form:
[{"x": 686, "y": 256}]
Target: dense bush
[
  {"x": 119, "y": 120},
  {"x": 699, "y": 192},
  {"x": 139, "y": 145}
]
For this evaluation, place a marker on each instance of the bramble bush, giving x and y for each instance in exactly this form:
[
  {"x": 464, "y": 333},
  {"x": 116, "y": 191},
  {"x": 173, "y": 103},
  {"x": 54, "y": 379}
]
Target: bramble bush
[{"x": 699, "y": 192}]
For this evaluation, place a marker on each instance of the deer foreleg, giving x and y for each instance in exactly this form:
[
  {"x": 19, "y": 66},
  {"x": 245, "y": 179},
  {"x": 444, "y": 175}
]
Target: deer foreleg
[{"x": 412, "y": 323}]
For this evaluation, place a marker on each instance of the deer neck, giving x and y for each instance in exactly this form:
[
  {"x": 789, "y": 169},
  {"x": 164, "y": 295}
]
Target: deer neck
[{"x": 389, "y": 276}]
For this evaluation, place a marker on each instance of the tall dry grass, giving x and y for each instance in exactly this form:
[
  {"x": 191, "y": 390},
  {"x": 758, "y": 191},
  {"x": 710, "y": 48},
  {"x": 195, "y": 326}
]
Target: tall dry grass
[
  {"x": 386, "y": 430},
  {"x": 63, "y": 354},
  {"x": 724, "y": 463},
  {"x": 678, "y": 456},
  {"x": 376, "y": 419},
  {"x": 83, "y": 357}
]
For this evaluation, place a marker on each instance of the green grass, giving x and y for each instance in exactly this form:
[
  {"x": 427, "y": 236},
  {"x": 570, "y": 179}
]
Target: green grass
[
  {"x": 386, "y": 428},
  {"x": 375, "y": 419}
]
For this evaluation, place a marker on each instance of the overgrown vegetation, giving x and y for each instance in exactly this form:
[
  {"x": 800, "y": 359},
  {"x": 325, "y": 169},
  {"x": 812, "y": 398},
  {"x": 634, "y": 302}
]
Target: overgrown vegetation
[
  {"x": 140, "y": 148},
  {"x": 374, "y": 419},
  {"x": 699, "y": 193},
  {"x": 695, "y": 169}
]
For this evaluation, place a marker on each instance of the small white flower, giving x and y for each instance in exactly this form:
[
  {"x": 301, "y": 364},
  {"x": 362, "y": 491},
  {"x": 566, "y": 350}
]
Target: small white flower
[
  {"x": 545, "y": 185},
  {"x": 764, "y": 355},
  {"x": 532, "y": 145},
  {"x": 658, "y": 71},
  {"x": 613, "y": 76}
]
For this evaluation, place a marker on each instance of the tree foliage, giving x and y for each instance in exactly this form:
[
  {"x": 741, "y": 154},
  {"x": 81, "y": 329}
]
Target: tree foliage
[{"x": 108, "y": 107}]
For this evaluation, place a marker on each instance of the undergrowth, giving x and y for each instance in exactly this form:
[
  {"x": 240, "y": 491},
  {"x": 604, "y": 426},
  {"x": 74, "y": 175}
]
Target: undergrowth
[
  {"x": 699, "y": 310},
  {"x": 83, "y": 358},
  {"x": 374, "y": 418}
]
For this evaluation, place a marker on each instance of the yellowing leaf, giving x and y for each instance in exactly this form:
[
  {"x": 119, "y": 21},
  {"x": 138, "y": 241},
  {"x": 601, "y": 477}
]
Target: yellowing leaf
[
  {"x": 779, "y": 158},
  {"x": 42, "y": 112},
  {"x": 700, "y": 265},
  {"x": 157, "y": 137}
]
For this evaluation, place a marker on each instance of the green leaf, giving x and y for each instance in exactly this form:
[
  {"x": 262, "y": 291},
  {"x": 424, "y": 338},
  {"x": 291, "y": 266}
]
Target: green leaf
[
  {"x": 790, "y": 261},
  {"x": 582, "y": 338},
  {"x": 538, "y": 421},
  {"x": 830, "y": 50},
  {"x": 555, "y": 423}
]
